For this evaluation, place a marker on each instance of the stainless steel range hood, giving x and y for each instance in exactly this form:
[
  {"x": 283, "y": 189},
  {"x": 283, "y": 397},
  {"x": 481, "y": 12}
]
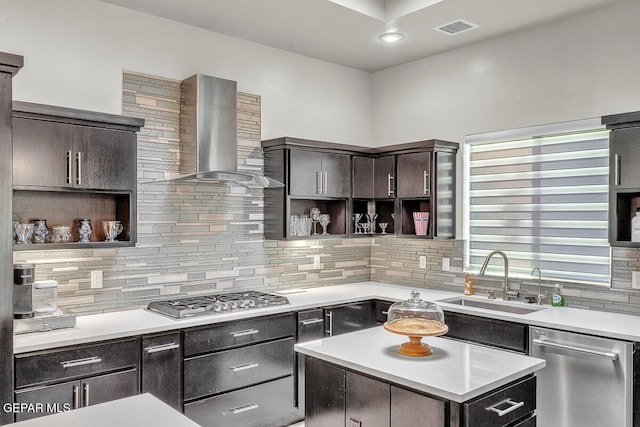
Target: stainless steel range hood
[{"x": 209, "y": 135}]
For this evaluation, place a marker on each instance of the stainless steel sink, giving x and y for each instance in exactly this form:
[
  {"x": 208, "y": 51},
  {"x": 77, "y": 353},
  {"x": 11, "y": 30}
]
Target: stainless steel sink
[{"x": 513, "y": 307}]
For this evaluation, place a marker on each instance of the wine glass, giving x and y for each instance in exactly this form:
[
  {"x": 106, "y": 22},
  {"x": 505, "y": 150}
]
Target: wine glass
[
  {"x": 314, "y": 214},
  {"x": 371, "y": 219},
  {"x": 365, "y": 227},
  {"x": 356, "y": 219},
  {"x": 324, "y": 220},
  {"x": 383, "y": 226}
]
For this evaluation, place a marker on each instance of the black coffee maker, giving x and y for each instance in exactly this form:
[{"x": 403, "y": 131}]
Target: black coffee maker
[{"x": 23, "y": 277}]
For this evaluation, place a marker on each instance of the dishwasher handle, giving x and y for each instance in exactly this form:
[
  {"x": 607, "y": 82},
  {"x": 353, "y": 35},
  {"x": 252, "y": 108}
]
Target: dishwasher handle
[{"x": 582, "y": 350}]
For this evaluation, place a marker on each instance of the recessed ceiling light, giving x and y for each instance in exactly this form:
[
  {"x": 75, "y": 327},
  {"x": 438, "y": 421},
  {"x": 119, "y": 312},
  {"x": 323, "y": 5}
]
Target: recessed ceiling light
[{"x": 391, "y": 37}]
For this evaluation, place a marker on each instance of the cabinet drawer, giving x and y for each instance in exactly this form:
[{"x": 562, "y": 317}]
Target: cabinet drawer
[
  {"x": 250, "y": 406},
  {"x": 310, "y": 325},
  {"x": 502, "y": 407},
  {"x": 240, "y": 367},
  {"x": 496, "y": 333},
  {"x": 49, "y": 366},
  {"x": 234, "y": 334}
]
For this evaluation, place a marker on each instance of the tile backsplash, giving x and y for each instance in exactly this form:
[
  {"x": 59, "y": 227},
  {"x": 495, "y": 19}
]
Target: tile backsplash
[{"x": 197, "y": 238}]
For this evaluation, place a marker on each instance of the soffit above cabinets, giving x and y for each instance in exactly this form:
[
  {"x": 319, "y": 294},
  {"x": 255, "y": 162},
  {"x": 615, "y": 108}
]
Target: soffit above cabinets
[{"x": 346, "y": 31}]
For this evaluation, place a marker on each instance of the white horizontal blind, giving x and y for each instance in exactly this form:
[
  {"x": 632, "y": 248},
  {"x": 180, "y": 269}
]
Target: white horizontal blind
[{"x": 544, "y": 201}]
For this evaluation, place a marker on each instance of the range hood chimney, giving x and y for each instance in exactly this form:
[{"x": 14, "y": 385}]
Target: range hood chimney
[{"x": 209, "y": 134}]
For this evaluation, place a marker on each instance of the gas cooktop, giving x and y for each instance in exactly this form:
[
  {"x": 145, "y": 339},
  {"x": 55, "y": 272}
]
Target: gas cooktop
[{"x": 180, "y": 308}]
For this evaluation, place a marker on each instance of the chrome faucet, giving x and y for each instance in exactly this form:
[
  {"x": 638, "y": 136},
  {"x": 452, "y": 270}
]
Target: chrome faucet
[
  {"x": 540, "y": 294},
  {"x": 506, "y": 292}
]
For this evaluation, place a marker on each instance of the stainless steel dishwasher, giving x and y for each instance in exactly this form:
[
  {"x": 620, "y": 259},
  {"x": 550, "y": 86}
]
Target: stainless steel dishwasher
[{"x": 588, "y": 381}]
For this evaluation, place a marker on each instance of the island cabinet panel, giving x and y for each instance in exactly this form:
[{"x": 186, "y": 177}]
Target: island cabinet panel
[
  {"x": 367, "y": 401},
  {"x": 241, "y": 373},
  {"x": 349, "y": 318},
  {"x": 75, "y": 377},
  {"x": 412, "y": 409},
  {"x": 161, "y": 370},
  {"x": 493, "y": 332},
  {"x": 325, "y": 399}
]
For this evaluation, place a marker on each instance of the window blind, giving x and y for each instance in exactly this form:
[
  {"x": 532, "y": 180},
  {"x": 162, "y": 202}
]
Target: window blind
[{"x": 542, "y": 199}]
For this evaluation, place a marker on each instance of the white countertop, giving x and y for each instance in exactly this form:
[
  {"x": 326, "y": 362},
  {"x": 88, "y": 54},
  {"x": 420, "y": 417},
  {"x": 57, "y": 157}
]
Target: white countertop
[
  {"x": 456, "y": 371},
  {"x": 135, "y": 411},
  {"x": 121, "y": 324}
]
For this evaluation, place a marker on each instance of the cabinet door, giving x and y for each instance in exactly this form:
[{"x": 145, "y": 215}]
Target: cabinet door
[
  {"x": 349, "y": 318},
  {"x": 42, "y": 153},
  {"x": 105, "y": 388},
  {"x": 161, "y": 368},
  {"x": 414, "y": 175},
  {"x": 384, "y": 177},
  {"x": 412, "y": 409},
  {"x": 624, "y": 153},
  {"x": 310, "y": 325},
  {"x": 362, "y": 177},
  {"x": 105, "y": 158},
  {"x": 54, "y": 398},
  {"x": 324, "y": 394},
  {"x": 305, "y": 169},
  {"x": 367, "y": 402},
  {"x": 336, "y": 181}
]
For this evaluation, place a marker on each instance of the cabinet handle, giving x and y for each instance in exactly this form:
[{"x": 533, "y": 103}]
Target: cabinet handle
[
  {"x": 425, "y": 187},
  {"x": 512, "y": 407},
  {"x": 81, "y": 362},
  {"x": 329, "y": 331},
  {"x": 243, "y": 408},
  {"x": 616, "y": 169},
  {"x": 79, "y": 168},
  {"x": 69, "y": 172},
  {"x": 244, "y": 333},
  {"x": 161, "y": 347},
  {"x": 76, "y": 397},
  {"x": 389, "y": 186},
  {"x": 384, "y": 312},
  {"x": 85, "y": 394},
  {"x": 319, "y": 182},
  {"x": 244, "y": 367},
  {"x": 325, "y": 182},
  {"x": 311, "y": 321}
]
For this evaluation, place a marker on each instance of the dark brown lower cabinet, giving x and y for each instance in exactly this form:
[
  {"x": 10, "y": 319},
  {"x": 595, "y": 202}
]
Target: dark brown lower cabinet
[
  {"x": 161, "y": 368},
  {"x": 339, "y": 397},
  {"x": 77, "y": 394}
]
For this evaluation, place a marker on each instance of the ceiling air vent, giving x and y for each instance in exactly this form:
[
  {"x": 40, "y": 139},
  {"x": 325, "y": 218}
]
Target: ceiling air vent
[{"x": 456, "y": 27}]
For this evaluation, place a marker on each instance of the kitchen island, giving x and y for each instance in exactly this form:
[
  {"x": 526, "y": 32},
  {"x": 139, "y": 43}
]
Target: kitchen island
[{"x": 360, "y": 379}]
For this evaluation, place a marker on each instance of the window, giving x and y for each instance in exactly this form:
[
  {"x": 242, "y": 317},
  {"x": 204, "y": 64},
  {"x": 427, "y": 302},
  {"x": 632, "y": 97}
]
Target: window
[{"x": 540, "y": 195}]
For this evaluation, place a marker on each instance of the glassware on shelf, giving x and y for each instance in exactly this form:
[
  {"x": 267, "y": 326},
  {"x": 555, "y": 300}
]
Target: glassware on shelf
[
  {"x": 314, "y": 214},
  {"x": 324, "y": 220},
  {"x": 371, "y": 219},
  {"x": 304, "y": 226},
  {"x": 356, "y": 220},
  {"x": 365, "y": 228},
  {"x": 383, "y": 227},
  {"x": 111, "y": 230},
  {"x": 61, "y": 234},
  {"x": 23, "y": 231},
  {"x": 40, "y": 230},
  {"x": 84, "y": 230},
  {"x": 293, "y": 225}
]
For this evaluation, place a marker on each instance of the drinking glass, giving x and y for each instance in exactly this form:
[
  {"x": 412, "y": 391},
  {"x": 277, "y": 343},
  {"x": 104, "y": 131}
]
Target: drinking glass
[
  {"x": 324, "y": 220},
  {"x": 61, "y": 234},
  {"x": 23, "y": 232},
  {"x": 293, "y": 225},
  {"x": 383, "y": 227},
  {"x": 84, "y": 230},
  {"x": 371, "y": 219},
  {"x": 356, "y": 219},
  {"x": 111, "y": 230},
  {"x": 314, "y": 214},
  {"x": 40, "y": 230}
]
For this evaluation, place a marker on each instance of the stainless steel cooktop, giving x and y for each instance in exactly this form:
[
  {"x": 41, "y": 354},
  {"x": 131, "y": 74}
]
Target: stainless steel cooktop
[{"x": 180, "y": 308}]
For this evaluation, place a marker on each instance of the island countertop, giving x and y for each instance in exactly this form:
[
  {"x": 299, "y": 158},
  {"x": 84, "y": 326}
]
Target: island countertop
[{"x": 457, "y": 371}]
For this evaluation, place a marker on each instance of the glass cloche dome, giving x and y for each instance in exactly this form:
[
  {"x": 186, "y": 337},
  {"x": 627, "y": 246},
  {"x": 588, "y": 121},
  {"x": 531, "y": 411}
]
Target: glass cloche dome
[{"x": 415, "y": 308}]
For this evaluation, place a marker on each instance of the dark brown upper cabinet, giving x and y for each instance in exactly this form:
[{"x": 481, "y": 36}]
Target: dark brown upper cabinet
[
  {"x": 70, "y": 164},
  {"x": 624, "y": 175},
  {"x": 414, "y": 174},
  {"x": 373, "y": 177},
  {"x": 319, "y": 174}
]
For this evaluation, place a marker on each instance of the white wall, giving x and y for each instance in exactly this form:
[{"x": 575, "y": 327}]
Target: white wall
[
  {"x": 582, "y": 67},
  {"x": 75, "y": 52}
]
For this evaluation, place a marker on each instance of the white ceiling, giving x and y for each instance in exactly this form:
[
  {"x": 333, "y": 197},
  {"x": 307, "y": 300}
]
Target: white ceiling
[{"x": 346, "y": 31}]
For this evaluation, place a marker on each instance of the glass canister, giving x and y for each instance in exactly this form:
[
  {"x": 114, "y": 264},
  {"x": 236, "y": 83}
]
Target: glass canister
[
  {"x": 45, "y": 296},
  {"x": 61, "y": 234},
  {"x": 84, "y": 230},
  {"x": 40, "y": 231}
]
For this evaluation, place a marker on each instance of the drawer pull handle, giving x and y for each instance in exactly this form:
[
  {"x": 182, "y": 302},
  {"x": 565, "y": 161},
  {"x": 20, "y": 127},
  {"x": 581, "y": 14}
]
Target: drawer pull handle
[
  {"x": 243, "y": 408},
  {"x": 85, "y": 395},
  {"x": 311, "y": 321},
  {"x": 551, "y": 344},
  {"x": 81, "y": 362},
  {"x": 244, "y": 333},
  {"x": 501, "y": 412},
  {"x": 161, "y": 347},
  {"x": 244, "y": 367},
  {"x": 76, "y": 397},
  {"x": 385, "y": 312}
]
